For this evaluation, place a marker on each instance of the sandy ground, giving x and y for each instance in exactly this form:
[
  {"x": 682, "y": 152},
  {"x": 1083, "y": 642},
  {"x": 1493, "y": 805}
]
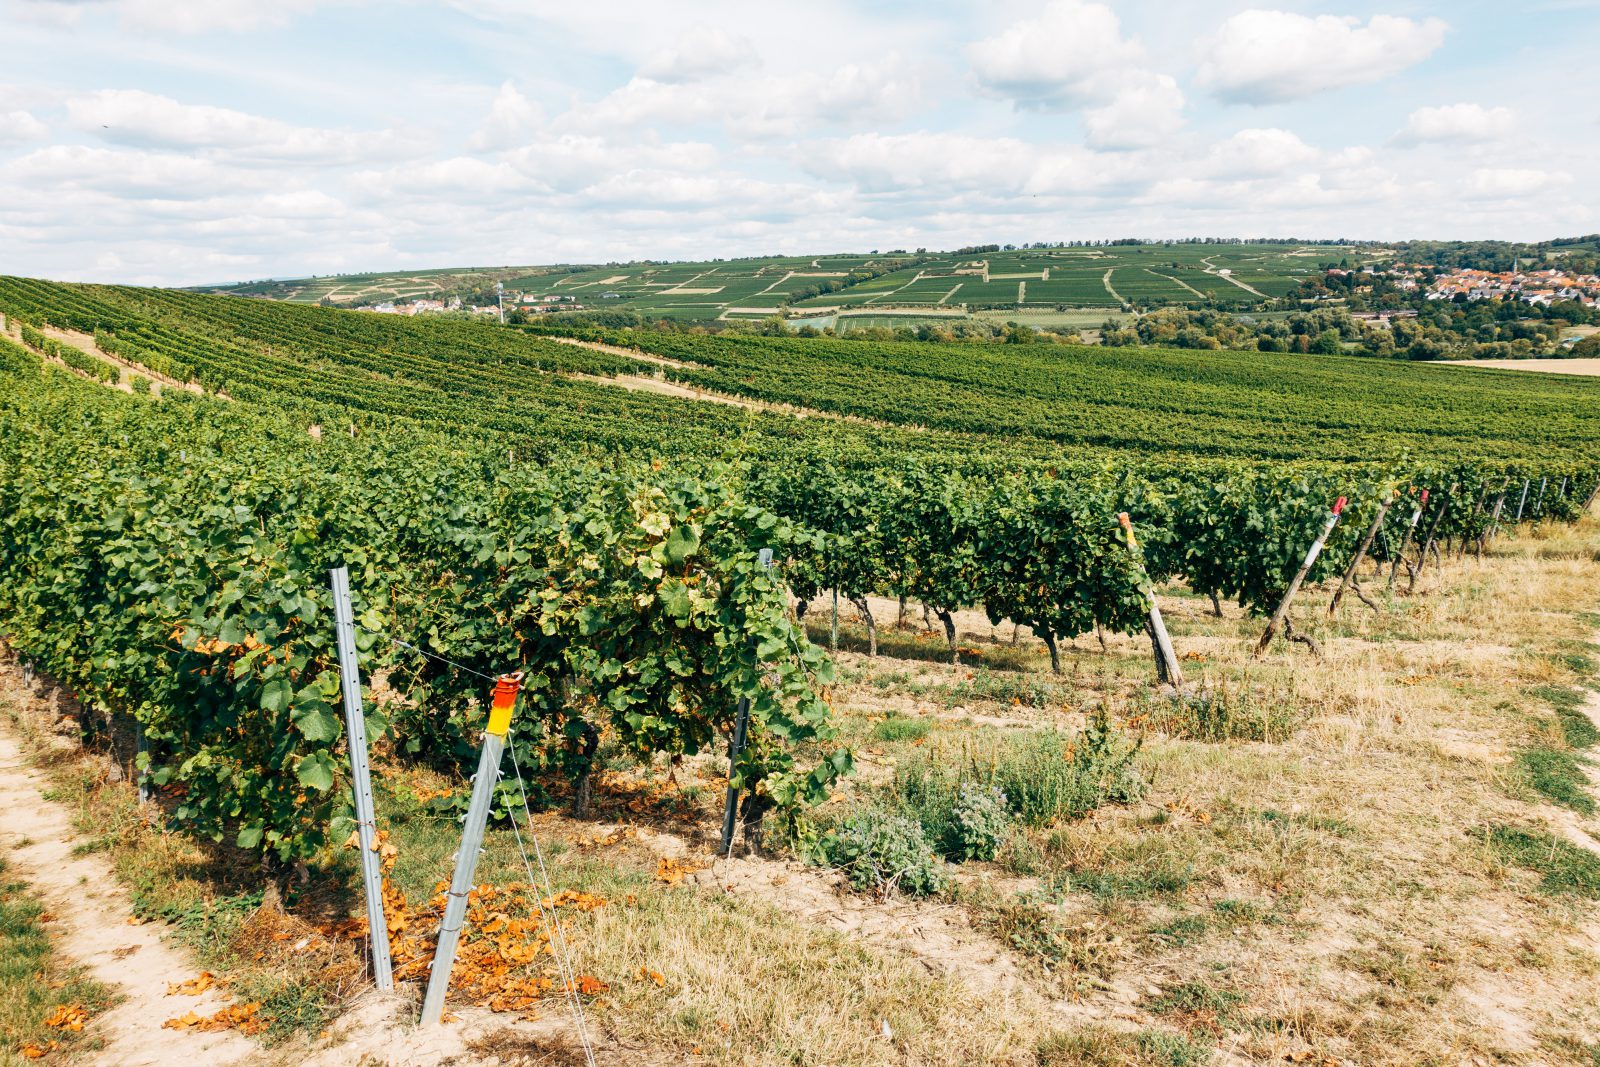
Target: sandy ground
[
  {"x": 92, "y": 922},
  {"x": 1586, "y": 367},
  {"x": 630, "y": 353}
]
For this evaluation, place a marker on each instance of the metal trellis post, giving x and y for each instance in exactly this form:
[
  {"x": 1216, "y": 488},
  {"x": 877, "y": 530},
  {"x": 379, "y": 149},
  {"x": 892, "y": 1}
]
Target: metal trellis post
[
  {"x": 355, "y": 731},
  {"x": 483, "y": 783},
  {"x": 741, "y": 727}
]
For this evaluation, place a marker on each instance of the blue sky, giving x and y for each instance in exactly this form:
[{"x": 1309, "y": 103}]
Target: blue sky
[{"x": 159, "y": 142}]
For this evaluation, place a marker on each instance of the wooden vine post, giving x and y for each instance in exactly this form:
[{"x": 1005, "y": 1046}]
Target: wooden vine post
[
  {"x": 1405, "y": 540},
  {"x": 1167, "y": 669},
  {"x": 1433, "y": 533},
  {"x": 1349, "y": 578},
  {"x": 1279, "y": 616}
]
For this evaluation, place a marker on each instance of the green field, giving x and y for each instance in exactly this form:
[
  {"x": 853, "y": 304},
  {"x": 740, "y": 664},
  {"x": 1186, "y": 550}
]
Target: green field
[{"x": 1146, "y": 275}]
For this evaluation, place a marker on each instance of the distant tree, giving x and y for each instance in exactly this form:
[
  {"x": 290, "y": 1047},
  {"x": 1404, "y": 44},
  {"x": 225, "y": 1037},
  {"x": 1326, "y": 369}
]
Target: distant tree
[{"x": 1327, "y": 343}]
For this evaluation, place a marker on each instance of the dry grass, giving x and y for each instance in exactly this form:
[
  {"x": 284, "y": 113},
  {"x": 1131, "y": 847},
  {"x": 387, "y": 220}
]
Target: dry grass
[
  {"x": 1319, "y": 871},
  {"x": 1381, "y": 924}
]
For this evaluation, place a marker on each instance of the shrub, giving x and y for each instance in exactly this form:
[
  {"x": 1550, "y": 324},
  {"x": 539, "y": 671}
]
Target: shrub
[
  {"x": 979, "y": 822},
  {"x": 1040, "y": 778},
  {"x": 1049, "y": 776},
  {"x": 883, "y": 853}
]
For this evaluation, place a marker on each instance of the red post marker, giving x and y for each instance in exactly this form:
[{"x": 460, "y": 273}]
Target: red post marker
[
  {"x": 1338, "y": 506},
  {"x": 505, "y": 698}
]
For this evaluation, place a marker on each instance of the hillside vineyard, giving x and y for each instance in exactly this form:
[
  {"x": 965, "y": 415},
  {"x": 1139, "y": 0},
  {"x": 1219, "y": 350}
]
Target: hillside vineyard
[{"x": 498, "y": 500}]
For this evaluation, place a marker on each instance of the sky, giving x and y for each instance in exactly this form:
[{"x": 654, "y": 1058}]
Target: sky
[{"x": 173, "y": 142}]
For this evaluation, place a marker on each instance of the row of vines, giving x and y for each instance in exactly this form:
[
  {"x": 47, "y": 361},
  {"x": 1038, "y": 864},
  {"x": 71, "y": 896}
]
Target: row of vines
[{"x": 167, "y": 559}]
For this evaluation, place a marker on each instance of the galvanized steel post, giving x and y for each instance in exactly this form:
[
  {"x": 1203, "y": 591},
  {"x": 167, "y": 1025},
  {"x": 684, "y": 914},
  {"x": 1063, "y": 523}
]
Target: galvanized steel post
[
  {"x": 355, "y": 731},
  {"x": 741, "y": 728},
  {"x": 455, "y": 909}
]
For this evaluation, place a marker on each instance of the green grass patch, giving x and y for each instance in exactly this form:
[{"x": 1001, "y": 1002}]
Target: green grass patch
[
  {"x": 34, "y": 981},
  {"x": 1576, "y": 726},
  {"x": 1564, "y": 869},
  {"x": 1099, "y": 1047},
  {"x": 1557, "y": 775},
  {"x": 897, "y": 727},
  {"x": 1138, "y": 879},
  {"x": 1191, "y": 928},
  {"x": 1200, "y": 1004}
]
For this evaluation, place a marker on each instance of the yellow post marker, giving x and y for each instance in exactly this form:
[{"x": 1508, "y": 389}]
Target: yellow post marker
[
  {"x": 455, "y": 909},
  {"x": 505, "y": 698}
]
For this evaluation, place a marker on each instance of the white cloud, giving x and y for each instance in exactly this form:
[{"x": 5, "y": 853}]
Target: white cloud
[
  {"x": 1267, "y": 57},
  {"x": 1257, "y": 153},
  {"x": 702, "y": 52},
  {"x": 20, "y": 126},
  {"x": 134, "y": 117},
  {"x": 1071, "y": 54},
  {"x": 856, "y": 94},
  {"x": 1498, "y": 183},
  {"x": 1462, "y": 123},
  {"x": 167, "y": 16},
  {"x": 577, "y": 161},
  {"x": 512, "y": 118},
  {"x": 131, "y": 174},
  {"x": 902, "y": 162},
  {"x": 1140, "y": 116}
]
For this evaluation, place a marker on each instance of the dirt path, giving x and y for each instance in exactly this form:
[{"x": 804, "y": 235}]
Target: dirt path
[
  {"x": 635, "y": 383},
  {"x": 92, "y": 921},
  {"x": 1176, "y": 281},
  {"x": 85, "y": 342},
  {"x": 630, "y": 353},
  {"x": 1105, "y": 280},
  {"x": 1226, "y": 274},
  {"x": 1587, "y": 368}
]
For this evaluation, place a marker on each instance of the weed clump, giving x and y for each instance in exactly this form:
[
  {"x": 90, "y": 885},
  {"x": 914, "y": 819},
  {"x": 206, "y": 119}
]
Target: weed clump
[
  {"x": 979, "y": 822},
  {"x": 898, "y": 727},
  {"x": 884, "y": 853},
  {"x": 967, "y": 808},
  {"x": 1222, "y": 714},
  {"x": 1051, "y": 777}
]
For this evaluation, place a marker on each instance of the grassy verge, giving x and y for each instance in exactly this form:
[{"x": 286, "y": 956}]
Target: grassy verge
[
  {"x": 210, "y": 897},
  {"x": 36, "y": 986}
]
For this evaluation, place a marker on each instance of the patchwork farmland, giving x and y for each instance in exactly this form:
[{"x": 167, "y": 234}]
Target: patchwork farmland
[{"x": 1112, "y": 278}]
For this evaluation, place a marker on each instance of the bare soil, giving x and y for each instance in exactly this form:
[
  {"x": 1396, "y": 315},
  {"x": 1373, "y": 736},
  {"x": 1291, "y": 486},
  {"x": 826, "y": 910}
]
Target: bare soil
[
  {"x": 1587, "y": 368},
  {"x": 95, "y": 926}
]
